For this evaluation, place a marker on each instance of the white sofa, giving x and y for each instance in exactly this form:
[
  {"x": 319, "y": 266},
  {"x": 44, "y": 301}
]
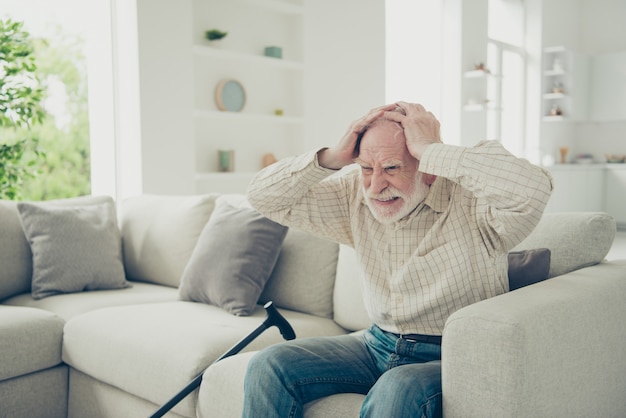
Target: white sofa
[{"x": 553, "y": 349}]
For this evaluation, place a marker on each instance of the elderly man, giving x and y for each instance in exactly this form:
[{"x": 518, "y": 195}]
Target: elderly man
[{"x": 431, "y": 225}]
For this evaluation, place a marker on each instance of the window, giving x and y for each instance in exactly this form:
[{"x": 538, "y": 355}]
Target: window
[
  {"x": 71, "y": 59},
  {"x": 506, "y": 58}
]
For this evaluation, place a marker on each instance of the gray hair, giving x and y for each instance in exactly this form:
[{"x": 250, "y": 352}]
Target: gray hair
[{"x": 374, "y": 123}]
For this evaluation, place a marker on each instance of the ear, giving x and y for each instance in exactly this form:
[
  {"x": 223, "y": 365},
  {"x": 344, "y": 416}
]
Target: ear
[{"x": 429, "y": 179}]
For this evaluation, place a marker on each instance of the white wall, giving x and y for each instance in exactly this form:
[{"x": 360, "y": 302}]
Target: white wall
[
  {"x": 534, "y": 78},
  {"x": 464, "y": 44},
  {"x": 603, "y": 27},
  {"x": 153, "y": 73},
  {"x": 344, "y": 59},
  {"x": 345, "y": 76},
  {"x": 603, "y": 30},
  {"x": 102, "y": 125},
  {"x": 588, "y": 27},
  {"x": 128, "y": 141},
  {"x": 164, "y": 38},
  {"x": 413, "y": 52}
]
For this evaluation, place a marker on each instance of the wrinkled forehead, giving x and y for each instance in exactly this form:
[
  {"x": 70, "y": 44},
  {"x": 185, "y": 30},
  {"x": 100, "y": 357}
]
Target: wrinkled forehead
[{"x": 383, "y": 135}]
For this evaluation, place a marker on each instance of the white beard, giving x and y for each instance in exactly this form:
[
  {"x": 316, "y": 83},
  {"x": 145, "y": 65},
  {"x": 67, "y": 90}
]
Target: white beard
[{"x": 387, "y": 215}]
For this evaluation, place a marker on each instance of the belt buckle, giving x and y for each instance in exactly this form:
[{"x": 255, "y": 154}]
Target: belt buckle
[{"x": 405, "y": 337}]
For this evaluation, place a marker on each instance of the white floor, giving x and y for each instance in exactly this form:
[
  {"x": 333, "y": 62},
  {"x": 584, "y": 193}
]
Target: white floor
[{"x": 619, "y": 246}]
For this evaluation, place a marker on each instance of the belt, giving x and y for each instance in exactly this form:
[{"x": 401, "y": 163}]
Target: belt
[{"x": 420, "y": 338}]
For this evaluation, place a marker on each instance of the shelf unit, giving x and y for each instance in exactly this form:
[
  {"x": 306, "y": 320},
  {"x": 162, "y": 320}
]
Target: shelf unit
[
  {"x": 564, "y": 85},
  {"x": 478, "y": 94},
  {"x": 270, "y": 84}
]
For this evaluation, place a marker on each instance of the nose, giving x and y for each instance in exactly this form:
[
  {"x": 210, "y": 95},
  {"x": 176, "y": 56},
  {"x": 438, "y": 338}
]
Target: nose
[{"x": 378, "y": 181}]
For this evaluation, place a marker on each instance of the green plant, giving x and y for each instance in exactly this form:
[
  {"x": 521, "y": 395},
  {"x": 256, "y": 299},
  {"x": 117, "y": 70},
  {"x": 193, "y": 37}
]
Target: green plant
[
  {"x": 13, "y": 170},
  {"x": 214, "y": 34},
  {"x": 20, "y": 107}
]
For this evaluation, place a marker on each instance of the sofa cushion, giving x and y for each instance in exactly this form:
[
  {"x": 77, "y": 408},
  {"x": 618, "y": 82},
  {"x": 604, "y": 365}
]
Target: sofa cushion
[
  {"x": 233, "y": 259},
  {"x": 15, "y": 253},
  {"x": 528, "y": 267},
  {"x": 15, "y": 256},
  {"x": 74, "y": 247},
  {"x": 304, "y": 277},
  {"x": 159, "y": 234},
  {"x": 71, "y": 304},
  {"x": 30, "y": 340},
  {"x": 350, "y": 311},
  {"x": 575, "y": 239},
  {"x": 153, "y": 350},
  {"x": 221, "y": 394},
  {"x": 339, "y": 405}
]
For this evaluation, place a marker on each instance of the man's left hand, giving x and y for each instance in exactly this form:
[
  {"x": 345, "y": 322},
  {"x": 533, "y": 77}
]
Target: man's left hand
[{"x": 421, "y": 128}]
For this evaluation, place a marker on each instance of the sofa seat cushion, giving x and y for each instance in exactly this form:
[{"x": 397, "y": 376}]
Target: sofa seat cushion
[
  {"x": 72, "y": 304},
  {"x": 221, "y": 394},
  {"x": 30, "y": 340},
  {"x": 152, "y": 351},
  {"x": 340, "y": 405}
]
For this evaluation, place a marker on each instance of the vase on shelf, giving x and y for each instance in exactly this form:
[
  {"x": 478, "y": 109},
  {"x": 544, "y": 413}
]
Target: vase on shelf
[{"x": 226, "y": 160}]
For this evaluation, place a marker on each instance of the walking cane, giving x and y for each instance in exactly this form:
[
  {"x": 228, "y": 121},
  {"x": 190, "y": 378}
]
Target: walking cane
[{"x": 273, "y": 318}]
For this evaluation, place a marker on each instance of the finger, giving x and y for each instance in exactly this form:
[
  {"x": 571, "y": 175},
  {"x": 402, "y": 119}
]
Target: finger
[
  {"x": 411, "y": 107},
  {"x": 389, "y": 106},
  {"x": 365, "y": 121},
  {"x": 373, "y": 114},
  {"x": 395, "y": 116},
  {"x": 379, "y": 109}
]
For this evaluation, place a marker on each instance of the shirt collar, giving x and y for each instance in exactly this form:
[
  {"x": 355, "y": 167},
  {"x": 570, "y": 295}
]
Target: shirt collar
[
  {"x": 437, "y": 199},
  {"x": 439, "y": 195}
]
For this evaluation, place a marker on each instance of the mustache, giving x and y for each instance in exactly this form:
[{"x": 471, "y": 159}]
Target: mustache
[{"x": 387, "y": 194}]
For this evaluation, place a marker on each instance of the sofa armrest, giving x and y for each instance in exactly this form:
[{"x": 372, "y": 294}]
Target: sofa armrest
[{"x": 544, "y": 350}]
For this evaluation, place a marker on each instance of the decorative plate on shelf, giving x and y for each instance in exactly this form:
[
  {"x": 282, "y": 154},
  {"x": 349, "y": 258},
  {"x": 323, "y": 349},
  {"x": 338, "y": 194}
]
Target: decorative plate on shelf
[{"x": 230, "y": 95}]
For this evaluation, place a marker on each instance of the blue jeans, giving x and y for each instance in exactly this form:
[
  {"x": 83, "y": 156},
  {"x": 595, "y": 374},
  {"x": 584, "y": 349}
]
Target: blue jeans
[{"x": 401, "y": 378}]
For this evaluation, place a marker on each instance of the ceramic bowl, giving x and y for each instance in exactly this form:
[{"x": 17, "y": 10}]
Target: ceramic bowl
[{"x": 615, "y": 158}]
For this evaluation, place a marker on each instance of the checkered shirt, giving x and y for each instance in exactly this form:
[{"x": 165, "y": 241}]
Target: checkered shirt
[{"x": 451, "y": 251}]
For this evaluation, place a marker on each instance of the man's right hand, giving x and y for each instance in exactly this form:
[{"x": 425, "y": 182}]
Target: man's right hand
[{"x": 345, "y": 151}]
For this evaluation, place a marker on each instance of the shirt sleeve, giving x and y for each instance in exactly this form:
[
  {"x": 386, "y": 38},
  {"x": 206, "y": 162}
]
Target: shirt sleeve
[
  {"x": 298, "y": 192},
  {"x": 510, "y": 193}
]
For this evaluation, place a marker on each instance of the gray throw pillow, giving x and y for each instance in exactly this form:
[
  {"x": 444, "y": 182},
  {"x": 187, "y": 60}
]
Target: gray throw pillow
[
  {"x": 233, "y": 259},
  {"x": 528, "y": 267},
  {"x": 74, "y": 248}
]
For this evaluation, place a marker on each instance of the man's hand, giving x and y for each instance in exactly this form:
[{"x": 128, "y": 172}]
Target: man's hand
[
  {"x": 345, "y": 151},
  {"x": 421, "y": 128}
]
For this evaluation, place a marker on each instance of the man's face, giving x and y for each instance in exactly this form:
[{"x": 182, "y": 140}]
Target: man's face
[{"x": 392, "y": 185}]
